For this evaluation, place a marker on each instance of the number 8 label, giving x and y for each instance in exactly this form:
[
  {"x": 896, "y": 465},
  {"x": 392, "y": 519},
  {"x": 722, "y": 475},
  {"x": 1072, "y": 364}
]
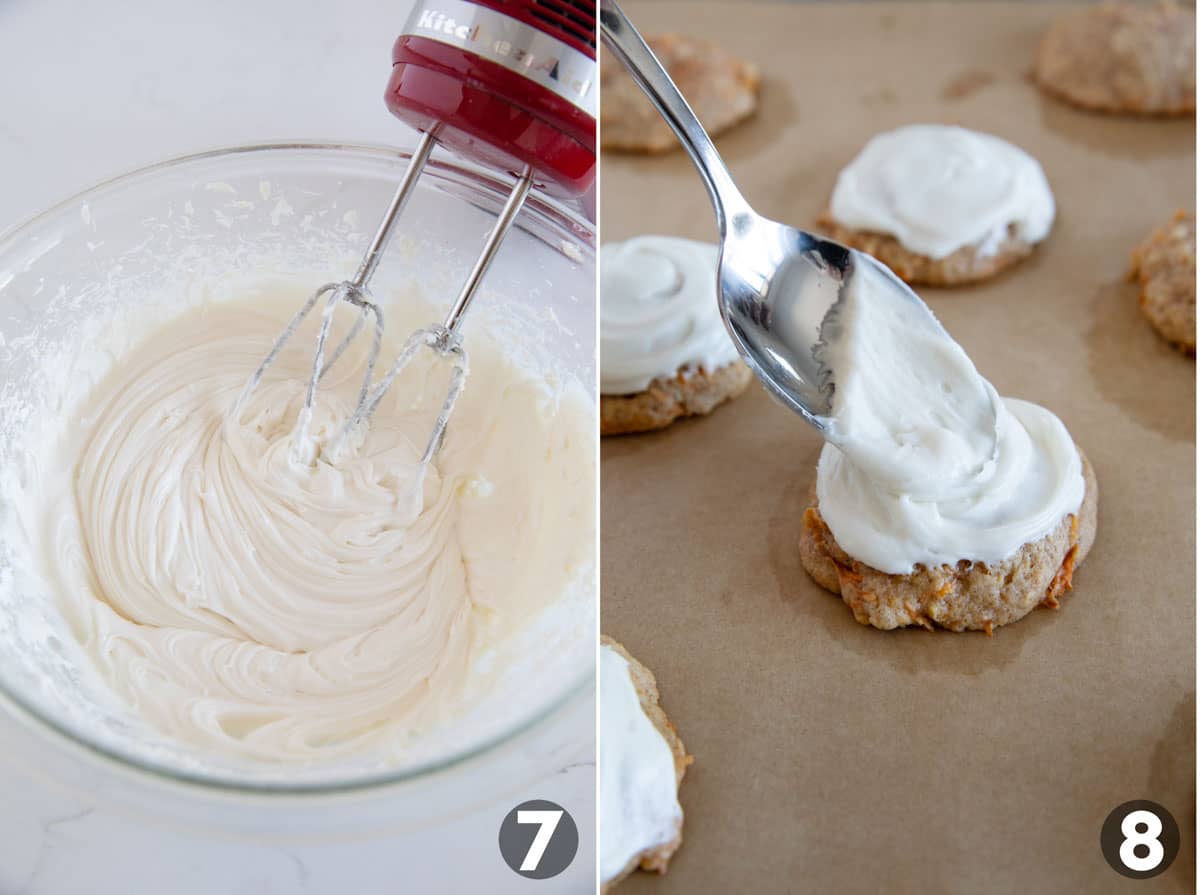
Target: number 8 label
[
  {"x": 1142, "y": 828},
  {"x": 1140, "y": 839}
]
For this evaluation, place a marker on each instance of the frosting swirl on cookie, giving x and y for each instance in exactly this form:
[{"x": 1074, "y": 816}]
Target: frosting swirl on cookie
[
  {"x": 658, "y": 312},
  {"x": 938, "y": 188}
]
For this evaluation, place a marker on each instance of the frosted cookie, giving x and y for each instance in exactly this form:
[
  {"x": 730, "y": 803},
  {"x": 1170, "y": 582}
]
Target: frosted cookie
[
  {"x": 721, "y": 89},
  {"x": 1165, "y": 266},
  {"x": 963, "y": 596},
  {"x": 1122, "y": 57},
  {"x": 691, "y": 392},
  {"x": 941, "y": 205},
  {"x": 664, "y": 351},
  {"x": 642, "y": 762},
  {"x": 937, "y": 502}
]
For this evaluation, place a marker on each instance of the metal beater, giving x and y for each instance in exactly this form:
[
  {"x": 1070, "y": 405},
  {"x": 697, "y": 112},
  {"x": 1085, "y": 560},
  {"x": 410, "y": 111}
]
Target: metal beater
[{"x": 511, "y": 84}]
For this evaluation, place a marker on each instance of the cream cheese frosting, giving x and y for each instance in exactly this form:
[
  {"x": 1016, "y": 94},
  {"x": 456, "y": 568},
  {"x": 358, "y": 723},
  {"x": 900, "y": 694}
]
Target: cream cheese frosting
[
  {"x": 909, "y": 408},
  {"x": 924, "y": 463},
  {"x": 659, "y": 312},
  {"x": 240, "y": 601},
  {"x": 938, "y": 188},
  {"x": 639, "y": 802}
]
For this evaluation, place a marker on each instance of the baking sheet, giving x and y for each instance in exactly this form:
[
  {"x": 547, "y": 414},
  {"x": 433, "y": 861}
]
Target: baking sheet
[{"x": 832, "y": 757}]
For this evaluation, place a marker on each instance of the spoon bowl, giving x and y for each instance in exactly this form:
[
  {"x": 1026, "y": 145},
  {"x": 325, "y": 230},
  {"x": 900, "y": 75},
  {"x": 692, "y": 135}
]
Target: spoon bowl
[{"x": 776, "y": 284}]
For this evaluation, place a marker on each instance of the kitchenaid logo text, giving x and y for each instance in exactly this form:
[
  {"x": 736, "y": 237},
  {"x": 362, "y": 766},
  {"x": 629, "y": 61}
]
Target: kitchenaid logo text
[{"x": 496, "y": 47}]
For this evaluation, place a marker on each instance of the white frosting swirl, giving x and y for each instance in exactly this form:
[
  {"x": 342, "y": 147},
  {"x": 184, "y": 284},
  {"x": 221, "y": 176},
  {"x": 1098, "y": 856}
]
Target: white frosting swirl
[
  {"x": 659, "y": 312},
  {"x": 1036, "y": 481},
  {"x": 924, "y": 464},
  {"x": 909, "y": 408},
  {"x": 938, "y": 188},
  {"x": 238, "y": 601},
  {"x": 639, "y": 802}
]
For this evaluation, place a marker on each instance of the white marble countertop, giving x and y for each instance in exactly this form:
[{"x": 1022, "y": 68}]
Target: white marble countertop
[{"x": 89, "y": 90}]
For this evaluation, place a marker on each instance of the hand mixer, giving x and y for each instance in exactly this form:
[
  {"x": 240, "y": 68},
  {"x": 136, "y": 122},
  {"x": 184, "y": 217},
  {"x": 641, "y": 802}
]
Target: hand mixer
[{"x": 508, "y": 83}]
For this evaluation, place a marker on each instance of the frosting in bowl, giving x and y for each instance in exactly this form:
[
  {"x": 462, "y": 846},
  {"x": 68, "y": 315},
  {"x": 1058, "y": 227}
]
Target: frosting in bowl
[
  {"x": 240, "y": 601},
  {"x": 658, "y": 312},
  {"x": 938, "y": 188}
]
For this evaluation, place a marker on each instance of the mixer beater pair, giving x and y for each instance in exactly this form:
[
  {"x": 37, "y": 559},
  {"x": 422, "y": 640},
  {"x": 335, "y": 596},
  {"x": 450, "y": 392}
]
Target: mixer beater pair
[
  {"x": 510, "y": 83},
  {"x": 443, "y": 339}
]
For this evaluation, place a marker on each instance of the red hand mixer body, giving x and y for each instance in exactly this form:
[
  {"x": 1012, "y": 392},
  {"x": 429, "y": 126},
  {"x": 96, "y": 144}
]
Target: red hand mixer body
[{"x": 508, "y": 83}]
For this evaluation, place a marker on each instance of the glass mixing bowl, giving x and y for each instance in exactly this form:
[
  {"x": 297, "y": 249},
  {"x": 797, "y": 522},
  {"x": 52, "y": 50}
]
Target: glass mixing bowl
[{"x": 307, "y": 209}]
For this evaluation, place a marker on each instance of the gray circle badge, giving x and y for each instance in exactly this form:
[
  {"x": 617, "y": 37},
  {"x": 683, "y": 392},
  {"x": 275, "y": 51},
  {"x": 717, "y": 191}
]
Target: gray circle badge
[
  {"x": 538, "y": 839},
  {"x": 1139, "y": 839}
]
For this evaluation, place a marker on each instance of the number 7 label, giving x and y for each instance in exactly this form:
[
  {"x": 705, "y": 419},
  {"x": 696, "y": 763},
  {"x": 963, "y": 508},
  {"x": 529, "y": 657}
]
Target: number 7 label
[
  {"x": 555, "y": 841},
  {"x": 547, "y": 822}
]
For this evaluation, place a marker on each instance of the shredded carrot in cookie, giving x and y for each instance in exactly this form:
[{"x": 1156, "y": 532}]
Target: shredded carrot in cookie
[
  {"x": 846, "y": 573},
  {"x": 1062, "y": 579}
]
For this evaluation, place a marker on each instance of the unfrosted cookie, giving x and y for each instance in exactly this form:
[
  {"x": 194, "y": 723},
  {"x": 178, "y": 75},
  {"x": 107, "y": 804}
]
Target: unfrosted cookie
[
  {"x": 960, "y": 268},
  {"x": 941, "y": 205},
  {"x": 691, "y": 392},
  {"x": 966, "y": 596},
  {"x": 721, "y": 89},
  {"x": 654, "y": 858},
  {"x": 1165, "y": 266},
  {"x": 1122, "y": 57}
]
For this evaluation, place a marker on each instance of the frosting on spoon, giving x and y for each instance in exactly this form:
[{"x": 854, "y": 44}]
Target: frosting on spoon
[{"x": 924, "y": 463}]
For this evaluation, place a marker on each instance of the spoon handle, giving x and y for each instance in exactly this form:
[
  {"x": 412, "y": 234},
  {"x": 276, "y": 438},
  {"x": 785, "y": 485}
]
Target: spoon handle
[{"x": 627, "y": 44}]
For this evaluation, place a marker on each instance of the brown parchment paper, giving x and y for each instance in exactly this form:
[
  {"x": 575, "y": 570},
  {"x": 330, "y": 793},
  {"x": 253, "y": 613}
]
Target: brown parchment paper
[{"x": 835, "y": 758}]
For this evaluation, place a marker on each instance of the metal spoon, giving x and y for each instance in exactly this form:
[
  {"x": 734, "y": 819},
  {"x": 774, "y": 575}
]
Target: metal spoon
[{"x": 776, "y": 284}]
